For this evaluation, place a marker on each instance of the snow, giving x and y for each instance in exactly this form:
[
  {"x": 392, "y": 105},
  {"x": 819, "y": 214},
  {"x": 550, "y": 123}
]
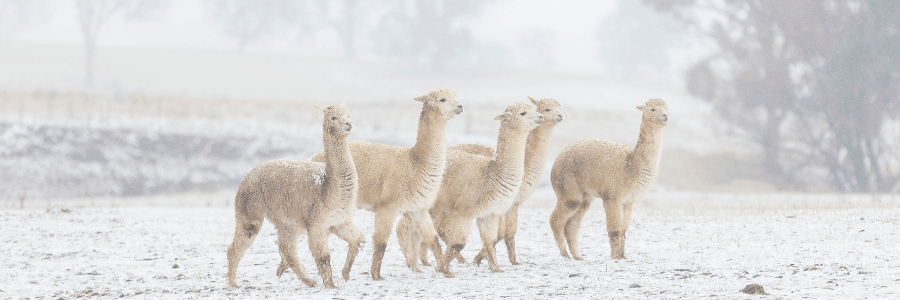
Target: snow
[
  {"x": 319, "y": 176},
  {"x": 130, "y": 252}
]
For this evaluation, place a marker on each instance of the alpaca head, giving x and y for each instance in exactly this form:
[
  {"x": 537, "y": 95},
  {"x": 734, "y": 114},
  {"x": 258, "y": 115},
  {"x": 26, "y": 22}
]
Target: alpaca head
[
  {"x": 521, "y": 117},
  {"x": 656, "y": 112},
  {"x": 336, "y": 119},
  {"x": 549, "y": 108},
  {"x": 443, "y": 102}
]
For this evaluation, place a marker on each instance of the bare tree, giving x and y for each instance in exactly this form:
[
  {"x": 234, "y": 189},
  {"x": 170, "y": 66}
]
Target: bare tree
[
  {"x": 94, "y": 14},
  {"x": 812, "y": 82},
  {"x": 17, "y": 15},
  {"x": 635, "y": 41},
  {"x": 348, "y": 18},
  {"x": 431, "y": 32},
  {"x": 857, "y": 91},
  {"x": 250, "y": 20}
]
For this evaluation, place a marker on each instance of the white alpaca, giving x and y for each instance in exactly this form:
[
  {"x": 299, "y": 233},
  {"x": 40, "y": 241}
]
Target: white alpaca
[
  {"x": 537, "y": 147},
  {"x": 619, "y": 175},
  {"x": 298, "y": 196},
  {"x": 477, "y": 187},
  {"x": 395, "y": 180}
]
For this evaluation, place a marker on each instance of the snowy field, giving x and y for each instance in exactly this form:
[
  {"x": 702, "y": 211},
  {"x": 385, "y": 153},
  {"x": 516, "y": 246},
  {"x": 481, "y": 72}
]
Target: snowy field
[{"x": 131, "y": 252}]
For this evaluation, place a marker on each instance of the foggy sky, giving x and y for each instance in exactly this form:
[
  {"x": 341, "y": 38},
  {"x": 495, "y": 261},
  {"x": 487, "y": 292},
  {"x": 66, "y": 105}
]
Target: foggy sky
[{"x": 570, "y": 26}]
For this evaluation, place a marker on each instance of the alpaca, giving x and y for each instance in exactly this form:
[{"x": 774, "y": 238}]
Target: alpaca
[
  {"x": 395, "y": 180},
  {"x": 613, "y": 172},
  {"x": 536, "y": 149},
  {"x": 477, "y": 187},
  {"x": 298, "y": 196}
]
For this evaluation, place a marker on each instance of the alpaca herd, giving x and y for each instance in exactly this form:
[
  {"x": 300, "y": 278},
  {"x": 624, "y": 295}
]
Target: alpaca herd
[{"x": 438, "y": 191}]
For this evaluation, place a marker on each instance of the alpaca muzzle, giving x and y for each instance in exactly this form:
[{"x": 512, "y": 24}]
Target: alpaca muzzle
[
  {"x": 458, "y": 109},
  {"x": 558, "y": 118},
  {"x": 347, "y": 126}
]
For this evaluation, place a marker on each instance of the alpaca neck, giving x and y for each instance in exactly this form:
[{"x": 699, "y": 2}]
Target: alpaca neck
[
  {"x": 431, "y": 142},
  {"x": 536, "y": 147},
  {"x": 647, "y": 152},
  {"x": 339, "y": 168},
  {"x": 510, "y": 154}
]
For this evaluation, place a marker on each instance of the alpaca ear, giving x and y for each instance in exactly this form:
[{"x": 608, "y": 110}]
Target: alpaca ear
[
  {"x": 342, "y": 105},
  {"x": 421, "y": 98},
  {"x": 534, "y": 101},
  {"x": 502, "y": 116},
  {"x": 640, "y": 107},
  {"x": 319, "y": 108}
]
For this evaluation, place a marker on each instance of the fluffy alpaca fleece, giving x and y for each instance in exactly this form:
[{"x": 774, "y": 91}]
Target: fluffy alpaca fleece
[
  {"x": 536, "y": 149},
  {"x": 395, "y": 180},
  {"x": 476, "y": 187},
  {"x": 302, "y": 196},
  {"x": 619, "y": 175}
]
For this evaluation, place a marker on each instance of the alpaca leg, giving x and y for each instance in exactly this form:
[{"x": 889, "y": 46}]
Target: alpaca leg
[
  {"x": 287, "y": 247},
  {"x": 482, "y": 254},
  {"x": 244, "y": 234},
  {"x": 614, "y": 222},
  {"x": 461, "y": 259},
  {"x": 426, "y": 245},
  {"x": 318, "y": 246},
  {"x": 487, "y": 226},
  {"x": 384, "y": 221},
  {"x": 283, "y": 265},
  {"x": 348, "y": 232},
  {"x": 501, "y": 232},
  {"x": 626, "y": 216},
  {"x": 429, "y": 235},
  {"x": 455, "y": 233},
  {"x": 479, "y": 257},
  {"x": 415, "y": 249},
  {"x": 423, "y": 253},
  {"x": 564, "y": 210},
  {"x": 509, "y": 233},
  {"x": 409, "y": 240},
  {"x": 573, "y": 226}
]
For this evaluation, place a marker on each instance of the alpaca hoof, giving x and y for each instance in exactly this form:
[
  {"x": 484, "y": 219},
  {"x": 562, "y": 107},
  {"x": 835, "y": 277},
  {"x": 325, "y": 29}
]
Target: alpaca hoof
[
  {"x": 449, "y": 274},
  {"x": 377, "y": 277},
  {"x": 280, "y": 271},
  {"x": 497, "y": 270},
  {"x": 461, "y": 260},
  {"x": 577, "y": 257},
  {"x": 346, "y": 274},
  {"x": 309, "y": 282},
  {"x": 617, "y": 257},
  {"x": 515, "y": 262},
  {"x": 426, "y": 263},
  {"x": 233, "y": 285},
  {"x": 564, "y": 254},
  {"x": 330, "y": 286}
]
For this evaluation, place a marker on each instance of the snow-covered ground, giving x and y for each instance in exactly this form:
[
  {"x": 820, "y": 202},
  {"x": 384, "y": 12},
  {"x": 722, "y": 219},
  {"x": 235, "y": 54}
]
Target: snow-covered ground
[{"x": 131, "y": 252}]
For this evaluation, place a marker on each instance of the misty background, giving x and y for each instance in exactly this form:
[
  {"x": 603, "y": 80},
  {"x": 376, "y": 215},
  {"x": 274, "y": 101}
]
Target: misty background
[{"x": 143, "y": 97}]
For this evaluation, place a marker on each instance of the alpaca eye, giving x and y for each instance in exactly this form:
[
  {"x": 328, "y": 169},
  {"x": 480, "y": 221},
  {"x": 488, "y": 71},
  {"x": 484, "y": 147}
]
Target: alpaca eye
[
  {"x": 443, "y": 100},
  {"x": 523, "y": 113},
  {"x": 547, "y": 109},
  {"x": 333, "y": 118},
  {"x": 652, "y": 109}
]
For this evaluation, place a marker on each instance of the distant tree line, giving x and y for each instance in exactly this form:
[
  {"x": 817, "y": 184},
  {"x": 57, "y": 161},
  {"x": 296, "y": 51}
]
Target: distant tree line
[
  {"x": 814, "y": 83},
  {"x": 430, "y": 32}
]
